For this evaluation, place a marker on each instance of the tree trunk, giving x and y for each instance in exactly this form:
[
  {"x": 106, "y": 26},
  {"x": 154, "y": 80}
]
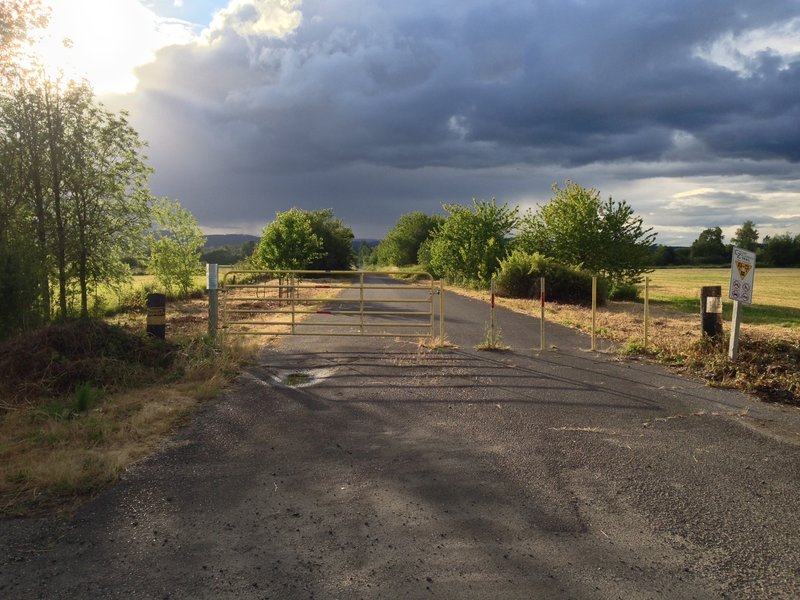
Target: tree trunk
[{"x": 55, "y": 138}]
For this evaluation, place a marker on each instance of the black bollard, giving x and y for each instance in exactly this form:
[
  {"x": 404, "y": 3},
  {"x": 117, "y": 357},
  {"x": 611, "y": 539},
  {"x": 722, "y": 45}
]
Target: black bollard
[
  {"x": 711, "y": 310},
  {"x": 157, "y": 315}
]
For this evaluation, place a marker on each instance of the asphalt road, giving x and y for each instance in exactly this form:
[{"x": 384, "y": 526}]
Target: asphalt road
[{"x": 398, "y": 472}]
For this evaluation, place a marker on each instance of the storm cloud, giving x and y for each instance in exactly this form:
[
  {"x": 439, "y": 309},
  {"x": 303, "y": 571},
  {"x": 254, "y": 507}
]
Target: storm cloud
[{"x": 688, "y": 110}]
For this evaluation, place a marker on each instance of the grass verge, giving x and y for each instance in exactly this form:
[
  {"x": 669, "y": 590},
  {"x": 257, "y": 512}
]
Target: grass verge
[
  {"x": 769, "y": 355},
  {"x": 82, "y": 401}
]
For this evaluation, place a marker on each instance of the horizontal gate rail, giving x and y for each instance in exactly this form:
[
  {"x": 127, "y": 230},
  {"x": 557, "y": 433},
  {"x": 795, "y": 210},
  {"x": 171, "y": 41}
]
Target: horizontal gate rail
[{"x": 265, "y": 302}]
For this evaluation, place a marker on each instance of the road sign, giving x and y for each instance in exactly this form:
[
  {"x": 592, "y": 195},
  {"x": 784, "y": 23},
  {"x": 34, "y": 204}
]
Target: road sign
[
  {"x": 743, "y": 270},
  {"x": 212, "y": 277}
]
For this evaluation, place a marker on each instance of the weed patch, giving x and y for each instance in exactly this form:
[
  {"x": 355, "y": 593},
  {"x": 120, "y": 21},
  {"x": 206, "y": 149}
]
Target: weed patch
[
  {"x": 769, "y": 353},
  {"x": 77, "y": 357}
]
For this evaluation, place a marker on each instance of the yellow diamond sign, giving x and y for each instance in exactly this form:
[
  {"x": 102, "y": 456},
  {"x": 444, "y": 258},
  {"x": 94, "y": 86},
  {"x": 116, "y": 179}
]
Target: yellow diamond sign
[{"x": 743, "y": 268}]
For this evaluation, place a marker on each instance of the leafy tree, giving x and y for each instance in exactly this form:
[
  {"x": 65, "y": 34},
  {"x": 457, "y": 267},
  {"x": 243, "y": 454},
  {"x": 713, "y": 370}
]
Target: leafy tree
[
  {"x": 289, "y": 242},
  {"x": 337, "y": 242},
  {"x": 782, "y": 250},
  {"x": 366, "y": 255},
  {"x": 107, "y": 202},
  {"x": 664, "y": 255},
  {"x": 577, "y": 228},
  {"x": 746, "y": 236},
  {"x": 17, "y": 19},
  {"x": 175, "y": 247},
  {"x": 247, "y": 249},
  {"x": 470, "y": 242},
  {"x": 708, "y": 248},
  {"x": 670, "y": 255},
  {"x": 401, "y": 245},
  {"x": 73, "y": 179}
]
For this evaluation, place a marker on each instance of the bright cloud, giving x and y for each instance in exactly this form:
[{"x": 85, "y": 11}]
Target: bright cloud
[
  {"x": 743, "y": 52},
  {"x": 107, "y": 41},
  {"x": 271, "y": 18}
]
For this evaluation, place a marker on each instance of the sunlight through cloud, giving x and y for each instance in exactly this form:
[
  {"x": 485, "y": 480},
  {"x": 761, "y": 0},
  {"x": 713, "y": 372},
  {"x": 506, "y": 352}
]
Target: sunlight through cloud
[{"x": 103, "y": 42}]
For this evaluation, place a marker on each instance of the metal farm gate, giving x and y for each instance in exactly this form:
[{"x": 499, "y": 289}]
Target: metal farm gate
[{"x": 354, "y": 303}]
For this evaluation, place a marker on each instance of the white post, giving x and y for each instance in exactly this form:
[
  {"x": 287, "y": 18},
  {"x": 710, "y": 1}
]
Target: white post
[
  {"x": 733, "y": 347},
  {"x": 441, "y": 311},
  {"x": 646, "y": 308},
  {"x": 212, "y": 284},
  {"x": 541, "y": 318},
  {"x": 594, "y": 313},
  {"x": 492, "y": 337}
]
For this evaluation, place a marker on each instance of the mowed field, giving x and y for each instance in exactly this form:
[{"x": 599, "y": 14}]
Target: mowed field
[{"x": 776, "y": 292}]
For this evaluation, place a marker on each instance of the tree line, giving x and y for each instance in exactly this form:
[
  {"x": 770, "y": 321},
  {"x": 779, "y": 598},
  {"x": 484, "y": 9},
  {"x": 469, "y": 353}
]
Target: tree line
[
  {"x": 576, "y": 228},
  {"x": 709, "y": 248}
]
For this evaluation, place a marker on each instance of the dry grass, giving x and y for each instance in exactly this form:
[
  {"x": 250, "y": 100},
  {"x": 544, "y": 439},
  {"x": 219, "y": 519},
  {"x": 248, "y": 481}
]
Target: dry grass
[
  {"x": 55, "y": 451},
  {"x": 768, "y": 365}
]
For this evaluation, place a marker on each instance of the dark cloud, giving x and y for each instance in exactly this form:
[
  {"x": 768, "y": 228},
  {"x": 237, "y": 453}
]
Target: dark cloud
[{"x": 376, "y": 109}]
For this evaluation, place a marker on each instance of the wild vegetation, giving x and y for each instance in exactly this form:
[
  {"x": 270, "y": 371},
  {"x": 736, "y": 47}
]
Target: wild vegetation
[
  {"x": 80, "y": 398},
  {"x": 768, "y": 365}
]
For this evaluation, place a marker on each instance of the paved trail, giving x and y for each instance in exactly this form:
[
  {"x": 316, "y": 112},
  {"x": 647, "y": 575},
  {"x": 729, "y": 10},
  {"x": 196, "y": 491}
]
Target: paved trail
[{"x": 402, "y": 473}]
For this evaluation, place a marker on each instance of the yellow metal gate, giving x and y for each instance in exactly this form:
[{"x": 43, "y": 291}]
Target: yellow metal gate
[{"x": 352, "y": 303}]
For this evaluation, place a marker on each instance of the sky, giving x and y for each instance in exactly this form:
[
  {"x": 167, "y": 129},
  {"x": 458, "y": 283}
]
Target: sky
[{"x": 687, "y": 109}]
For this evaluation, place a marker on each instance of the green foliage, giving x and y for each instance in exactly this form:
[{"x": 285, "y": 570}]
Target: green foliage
[
  {"x": 175, "y": 247},
  {"x": 669, "y": 255},
  {"x": 86, "y": 396},
  {"x": 520, "y": 273},
  {"x": 746, "y": 236},
  {"x": 366, "y": 256},
  {"x": 708, "y": 248},
  {"x": 401, "y": 245},
  {"x": 781, "y": 251},
  {"x": 577, "y": 228},
  {"x": 624, "y": 292},
  {"x": 424, "y": 256},
  {"x": 229, "y": 255},
  {"x": 337, "y": 242},
  {"x": 20, "y": 274},
  {"x": 469, "y": 244},
  {"x": 289, "y": 242},
  {"x": 17, "y": 19},
  {"x": 74, "y": 187}
]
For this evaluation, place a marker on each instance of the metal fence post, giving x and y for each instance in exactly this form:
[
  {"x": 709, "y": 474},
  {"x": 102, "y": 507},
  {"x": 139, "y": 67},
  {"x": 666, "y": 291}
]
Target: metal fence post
[
  {"x": 441, "y": 311},
  {"x": 646, "y": 308},
  {"x": 541, "y": 318},
  {"x": 212, "y": 284},
  {"x": 492, "y": 337},
  {"x": 594, "y": 313}
]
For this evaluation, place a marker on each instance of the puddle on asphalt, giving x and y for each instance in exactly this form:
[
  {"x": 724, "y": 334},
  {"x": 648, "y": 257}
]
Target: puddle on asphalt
[
  {"x": 299, "y": 378},
  {"x": 295, "y": 379}
]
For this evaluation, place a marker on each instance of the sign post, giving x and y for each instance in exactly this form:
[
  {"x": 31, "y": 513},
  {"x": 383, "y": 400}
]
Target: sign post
[
  {"x": 212, "y": 285},
  {"x": 743, "y": 272}
]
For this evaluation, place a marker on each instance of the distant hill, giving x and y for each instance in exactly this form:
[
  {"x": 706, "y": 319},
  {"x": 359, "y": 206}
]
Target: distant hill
[{"x": 228, "y": 239}]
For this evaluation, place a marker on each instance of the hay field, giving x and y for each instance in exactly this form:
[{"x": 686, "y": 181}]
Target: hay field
[
  {"x": 776, "y": 293},
  {"x": 773, "y": 287}
]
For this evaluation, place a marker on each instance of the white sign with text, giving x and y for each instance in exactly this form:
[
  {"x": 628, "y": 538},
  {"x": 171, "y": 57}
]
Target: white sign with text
[{"x": 743, "y": 271}]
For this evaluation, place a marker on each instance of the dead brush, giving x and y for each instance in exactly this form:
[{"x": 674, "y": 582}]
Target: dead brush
[
  {"x": 769, "y": 355},
  {"x": 79, "y": 402}
]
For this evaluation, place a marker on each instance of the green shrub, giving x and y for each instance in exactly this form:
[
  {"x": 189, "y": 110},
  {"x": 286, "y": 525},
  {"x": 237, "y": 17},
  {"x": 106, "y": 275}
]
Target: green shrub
[
  {"x": 624, "y": 291},
  {"x": 520, "y": 273}
]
